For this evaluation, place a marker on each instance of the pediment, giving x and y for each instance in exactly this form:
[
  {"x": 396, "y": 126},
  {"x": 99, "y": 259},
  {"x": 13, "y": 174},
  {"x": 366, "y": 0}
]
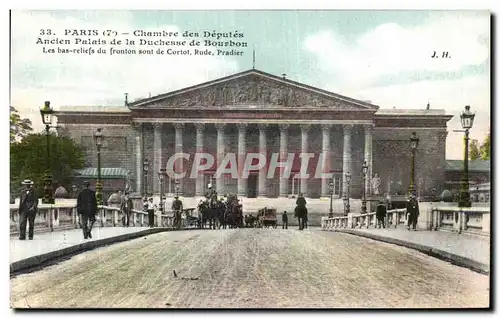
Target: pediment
[{"x": 253, "y": 89}]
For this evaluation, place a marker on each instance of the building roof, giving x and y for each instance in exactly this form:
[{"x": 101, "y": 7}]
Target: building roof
[
  {"x": 106, "y": 173},
  {"x": 409, "y": 112},
  {"x": 283, "y": 81},
  {"x": 93, "y": 109},
  {"x": 474, "y": 165}
]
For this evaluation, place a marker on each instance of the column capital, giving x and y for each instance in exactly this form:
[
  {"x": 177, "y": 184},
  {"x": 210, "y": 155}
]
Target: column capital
[
  {"x": 368, "y": 128},
  {"x": 263, "y": 126},
  {"x": 348, "y": 128},
  {"x": 242, "y": 126},
  {"x": 220, "y": 126},
  {"x": 157, "y": 126},
  {"x": 199, "y": 127},
  {"x": 178, "y": 126},
  {"x": 326, "y": 127},
  {"x": 284, "y": 127},
  {"x": 305, "y": 127},
  {"x": 136, "y": 126}
]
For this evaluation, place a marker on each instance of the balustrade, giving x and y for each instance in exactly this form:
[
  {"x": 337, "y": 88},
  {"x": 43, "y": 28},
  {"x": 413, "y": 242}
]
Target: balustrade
[
  {"x": 367, "y": 220},
  {"x": 64, "y": 216},
  {"x": 474, "y": 220}
]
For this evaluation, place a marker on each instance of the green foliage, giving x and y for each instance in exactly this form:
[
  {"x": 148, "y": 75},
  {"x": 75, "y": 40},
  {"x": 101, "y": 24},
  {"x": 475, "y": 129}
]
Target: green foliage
[
  {"x": 19, "y": 127},
  {"x": 474, "y": 153},
  {"x": 485, "y": 148},
  {"x": 28, "y": 160}
]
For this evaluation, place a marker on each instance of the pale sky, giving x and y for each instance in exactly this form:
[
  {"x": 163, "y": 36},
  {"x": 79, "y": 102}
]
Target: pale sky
[{"x": 382, "y": 56}]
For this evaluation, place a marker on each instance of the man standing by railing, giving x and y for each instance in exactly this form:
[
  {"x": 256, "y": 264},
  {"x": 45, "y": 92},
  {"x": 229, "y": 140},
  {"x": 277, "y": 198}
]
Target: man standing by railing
[
  {"x": 28, "y": 206},
  {"x": 413, "y": 212},
  {"x": 86, "y": 206},
  {"x": 381, "y": 214},
  {"x": 177, "y": 209},
  {"x": 126, "y": 209}
]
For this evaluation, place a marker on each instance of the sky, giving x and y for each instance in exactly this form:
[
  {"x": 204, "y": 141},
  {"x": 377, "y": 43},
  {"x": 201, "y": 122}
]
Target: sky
[{"x": 381, "y": 56}]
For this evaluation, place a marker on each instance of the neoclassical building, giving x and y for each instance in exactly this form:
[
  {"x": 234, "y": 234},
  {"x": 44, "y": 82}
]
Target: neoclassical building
[{"x": 252, "y": 114}]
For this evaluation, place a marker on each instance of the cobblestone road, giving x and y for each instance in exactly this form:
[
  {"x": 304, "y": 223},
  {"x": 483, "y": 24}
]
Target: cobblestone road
[{"x": 245, "y": 268}]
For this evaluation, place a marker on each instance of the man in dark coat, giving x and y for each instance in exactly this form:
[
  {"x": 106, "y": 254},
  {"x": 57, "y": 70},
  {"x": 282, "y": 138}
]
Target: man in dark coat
[
  {"x": 86, "y": 206},
  {"x": 301, "y": 201},
  {"x": 126, "y": 207},
  {"x": 284, "y": 218},
  {"x": 413, "y": 212},
  {"x": 148, "y": 208},
  {"x": 177, "y": 209},
  {"x": 381, "y": 213},
  {"x": 28, "y": 206}
]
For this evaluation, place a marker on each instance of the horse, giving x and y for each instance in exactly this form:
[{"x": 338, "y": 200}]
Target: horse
[{"x": 301, "y": 214}]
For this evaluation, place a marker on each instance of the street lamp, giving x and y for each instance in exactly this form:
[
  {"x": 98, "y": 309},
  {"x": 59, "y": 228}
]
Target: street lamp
[
  {"x": 47, "y": 113},
  {"x": 330, "y": 215},
  {"x": 98, "y": 137},
  {"x": 145, "y": 166},
  {"x": 161, "y": 176},
  {"x": 413, "y": 144},
  {"x": 467, "y": 119},
  {"x": 348, "y": 181},
  {"x": 177, "y": 188},
  {"x": 365, "y": 171}
]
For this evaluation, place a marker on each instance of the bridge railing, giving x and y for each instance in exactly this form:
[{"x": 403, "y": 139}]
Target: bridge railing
[
  {"x": 474, "y": 220},
  {"x": 64, "y": 216},
  {"x": 357, "y": 220}
]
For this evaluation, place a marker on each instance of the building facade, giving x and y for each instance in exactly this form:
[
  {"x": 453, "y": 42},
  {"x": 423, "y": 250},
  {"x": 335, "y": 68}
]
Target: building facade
[{"x": 254, "y": 115}]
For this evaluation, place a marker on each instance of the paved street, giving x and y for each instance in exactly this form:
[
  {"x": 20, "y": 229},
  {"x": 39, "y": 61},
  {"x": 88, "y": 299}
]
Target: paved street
[
  {"x": 248, "y": 268},
  {"x": 52, "y": 241}
]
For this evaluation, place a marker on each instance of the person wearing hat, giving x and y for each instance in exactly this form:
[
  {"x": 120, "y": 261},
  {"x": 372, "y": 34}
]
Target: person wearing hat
[
  {"x": 28, "y": 206},
  {"x": 177, "y": 209},
  {"x": 126, "y": 208},
  {"x": 413, "y": 212},
  {"x": 284, "y": 218},
  {"x": 381, "y": 213},
  {"x": 86, "y": 206}
]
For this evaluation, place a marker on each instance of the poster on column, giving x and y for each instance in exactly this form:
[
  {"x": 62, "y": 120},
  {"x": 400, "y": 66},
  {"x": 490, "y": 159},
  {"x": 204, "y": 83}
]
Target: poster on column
[{"x": 250, "y": 159}]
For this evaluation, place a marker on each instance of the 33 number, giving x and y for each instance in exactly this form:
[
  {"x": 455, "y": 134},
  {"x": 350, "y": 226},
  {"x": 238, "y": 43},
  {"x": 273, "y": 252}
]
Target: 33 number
[{"x": 45, "y": 32}]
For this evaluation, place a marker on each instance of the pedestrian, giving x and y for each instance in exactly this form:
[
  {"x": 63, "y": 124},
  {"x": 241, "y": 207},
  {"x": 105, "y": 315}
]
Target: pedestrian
[
  {"x": 86, "y": 206},
  {"x": 413, "y": 212},
  {"x": 28, "y": 207},
  {"x": 284, "y": 218},
  {"x": 177, "y": 209},
  {"x": 148, "y": 207},
  {"x": 381, "y": 213},
  {"x": 126, "y": 208}
]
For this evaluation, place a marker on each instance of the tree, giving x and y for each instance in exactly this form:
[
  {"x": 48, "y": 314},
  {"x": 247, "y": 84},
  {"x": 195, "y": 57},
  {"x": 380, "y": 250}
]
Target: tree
[
  {"x": 28, "y": 160},
  {"x": 474, "y": 152},
  {"x": 19, "y": 127},
  {"x": 485, "y": 148}
]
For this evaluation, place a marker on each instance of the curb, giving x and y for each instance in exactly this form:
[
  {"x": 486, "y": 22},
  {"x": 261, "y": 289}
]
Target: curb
[
  {"x": 434, "y": 252},
  {"x": 41, "y": 259}
]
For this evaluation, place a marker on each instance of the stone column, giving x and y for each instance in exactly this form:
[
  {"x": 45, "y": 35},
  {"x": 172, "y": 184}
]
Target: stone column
[
  {"x": 157, "y": 151},
  {"x": 138, "y": 157},
  {"x": 200, "y": 187},
  {"x": 262, "y": 190},
  {"x": 368, "y": 157},
  {"x": 346, "y": 157},
  {"x": 242, "y": 182},
  {"x": 179, "y": 163},
  {"x": 304, "y": 181},
  {"x": 325, "y": 183},
  {"x": 220, "y": 184},
  {"x": 283, "y": 156}
]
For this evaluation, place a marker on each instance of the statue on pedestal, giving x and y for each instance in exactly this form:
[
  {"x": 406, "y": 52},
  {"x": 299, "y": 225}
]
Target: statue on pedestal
[{"x": 376, "y": 184}]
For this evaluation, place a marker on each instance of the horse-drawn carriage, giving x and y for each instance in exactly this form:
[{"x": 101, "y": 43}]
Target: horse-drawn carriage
[{"x": 267, "y": 217}]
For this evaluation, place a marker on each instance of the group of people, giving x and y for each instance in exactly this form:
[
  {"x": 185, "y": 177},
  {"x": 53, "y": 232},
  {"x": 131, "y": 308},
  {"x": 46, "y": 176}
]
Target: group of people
[
  {"x": 151, "y": 208},
  {"x": 412, "y": 213}
]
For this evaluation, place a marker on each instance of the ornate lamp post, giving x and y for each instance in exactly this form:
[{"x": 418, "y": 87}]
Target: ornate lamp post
[
  {"x": 347, "y": 204},
  {"x": 161, "y": 176},
  {"x": 98, "y": 137},
  {"x": 177, "y": 188},
  {"x": 363, "y": 203},
  {"x": 330, "y": 215},
  {"x": 414, "y": 144},
  {"x": 467, "y": 119},
  {"x": 145, "y": 166},
  {"x": 47, "y": 113}
]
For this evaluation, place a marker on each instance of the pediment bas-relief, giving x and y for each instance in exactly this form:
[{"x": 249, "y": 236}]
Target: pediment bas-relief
[{"x": 252, "y": 91}]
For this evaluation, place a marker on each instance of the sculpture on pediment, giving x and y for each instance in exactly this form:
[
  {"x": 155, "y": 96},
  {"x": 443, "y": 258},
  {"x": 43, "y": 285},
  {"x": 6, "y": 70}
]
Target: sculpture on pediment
[{"x": 210, "y": 96}]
